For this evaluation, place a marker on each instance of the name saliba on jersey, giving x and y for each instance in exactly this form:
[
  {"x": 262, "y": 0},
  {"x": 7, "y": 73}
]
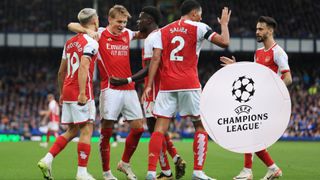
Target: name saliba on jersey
[
  {"x": 117, "y": 50},
  {"x": 180, "y": 29},
  {"x": 243, "y": 121}
]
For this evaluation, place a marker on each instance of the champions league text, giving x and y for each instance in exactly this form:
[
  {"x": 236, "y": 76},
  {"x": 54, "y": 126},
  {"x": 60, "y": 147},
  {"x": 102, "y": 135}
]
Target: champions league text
[{"x": 243, "y": 123}]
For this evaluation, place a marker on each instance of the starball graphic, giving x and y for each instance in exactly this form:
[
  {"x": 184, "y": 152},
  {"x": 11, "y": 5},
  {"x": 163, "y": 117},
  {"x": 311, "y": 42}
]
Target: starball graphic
[{"x": 243, "y": 89}]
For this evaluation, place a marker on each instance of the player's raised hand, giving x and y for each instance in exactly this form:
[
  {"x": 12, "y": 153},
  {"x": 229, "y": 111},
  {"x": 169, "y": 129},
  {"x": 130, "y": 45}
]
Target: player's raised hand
[
  {"x": 227, "y": 60},
  {"x": 93, "y": 34},
  {"x": 118, "y": 81},
  {"x": 145, "y": 94},
  {"x": 82, "y": 99},
  {"x": 225, "y": 16}
]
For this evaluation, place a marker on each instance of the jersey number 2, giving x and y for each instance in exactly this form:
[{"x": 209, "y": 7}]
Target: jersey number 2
[
  {"x": 173, "y": 56},
  {"x": 73, "y": 63}
]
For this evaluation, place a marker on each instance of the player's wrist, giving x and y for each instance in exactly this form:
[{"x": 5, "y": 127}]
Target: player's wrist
[{"x": 129, "y": 79}]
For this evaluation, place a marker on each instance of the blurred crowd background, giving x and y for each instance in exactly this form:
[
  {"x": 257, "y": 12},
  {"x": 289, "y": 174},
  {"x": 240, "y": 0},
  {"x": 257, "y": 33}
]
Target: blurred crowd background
[
  {"x": 27, "y": 75},
  {"x": 296, "y": 18}
]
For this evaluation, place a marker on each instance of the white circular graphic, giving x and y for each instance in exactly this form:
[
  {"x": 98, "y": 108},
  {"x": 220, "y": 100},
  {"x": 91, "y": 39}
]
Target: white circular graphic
[{"x": 245, "y": 107}]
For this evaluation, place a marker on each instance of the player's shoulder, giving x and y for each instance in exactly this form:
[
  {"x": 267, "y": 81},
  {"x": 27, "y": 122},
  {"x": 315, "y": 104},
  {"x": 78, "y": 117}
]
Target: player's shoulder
[
  {"x": 260, "y": 49},
  {"x": 153, "y": 34},
  {"x": 74, "y": 38},
  {"x": 278, "y": 48},
  {"x": 90, "y": 40},
  {"x": 52, "y": 103},
  {"x": 197, "y": 24},
  {"x": 101, "y": 29},
  {"x": 127, "y": 30},
  {"x": 278, "y": 52}
]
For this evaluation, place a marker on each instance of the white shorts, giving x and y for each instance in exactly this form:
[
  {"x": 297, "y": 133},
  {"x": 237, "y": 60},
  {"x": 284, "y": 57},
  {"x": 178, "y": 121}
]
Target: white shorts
[
  {"x": 72, "y": 113},
  {"x": 187, "y": 103},
  {"x": 53, "y": 126},
  {"x": 113, "y": 102},
  {"x": 148, "y": 108}
]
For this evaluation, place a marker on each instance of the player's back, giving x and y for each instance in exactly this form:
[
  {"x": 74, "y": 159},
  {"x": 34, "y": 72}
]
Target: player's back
[
  {"x": 147, "y": 52},
  {"x": 74, "y": 50},
  {"x": 179, "y": 56}
]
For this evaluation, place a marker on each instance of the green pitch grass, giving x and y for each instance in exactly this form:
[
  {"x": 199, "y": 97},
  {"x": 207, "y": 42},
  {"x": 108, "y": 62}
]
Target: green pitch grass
[{"x": 298, "y": 160}]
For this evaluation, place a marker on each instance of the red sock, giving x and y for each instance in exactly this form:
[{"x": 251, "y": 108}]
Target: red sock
[
  {"x": 265, "y": 157},
  {"x": 105, "y": 135},
  {"x": 200, "y": 146},
  {"x": 83, "y": 154},
  {"x": 48, "y": 136},
  {"x": 131, "y": 143},
  {"x": 58, "y": 146},
  {"x": 248, "y": 160},
  {"x": 163, "y": 158},
  {"x": 170, "y": 147},
  {"x": 155, "y": 146}
]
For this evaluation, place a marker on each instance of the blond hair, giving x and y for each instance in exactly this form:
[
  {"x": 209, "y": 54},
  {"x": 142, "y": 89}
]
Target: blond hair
[
  {"x": 118, "y": 9},
  {"x": 86, "y": 14}
]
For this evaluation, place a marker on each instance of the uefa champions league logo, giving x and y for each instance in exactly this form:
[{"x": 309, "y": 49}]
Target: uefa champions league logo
[{"x": 243, "y": 89}]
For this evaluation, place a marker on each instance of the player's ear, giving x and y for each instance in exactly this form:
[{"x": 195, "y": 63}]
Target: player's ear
[
  {"x": 193, "y": 13},
  {"x": 109, "y": 19}
]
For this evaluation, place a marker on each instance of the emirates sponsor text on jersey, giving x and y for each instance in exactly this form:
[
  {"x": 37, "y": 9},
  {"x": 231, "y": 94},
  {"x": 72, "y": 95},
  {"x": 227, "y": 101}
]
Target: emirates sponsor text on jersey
[{"x": 118, "y": 50}]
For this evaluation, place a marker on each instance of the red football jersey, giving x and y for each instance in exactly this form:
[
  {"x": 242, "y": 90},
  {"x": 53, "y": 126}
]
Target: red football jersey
[
  {"x": 114, "y": 57},
  {"x": 76, "y": 47},
  {"x": 54, "y": 111},
  {"x": 274, "y": 58},
  {"x": 181, "y": 42},
  {"x": 147, "y": 53}
]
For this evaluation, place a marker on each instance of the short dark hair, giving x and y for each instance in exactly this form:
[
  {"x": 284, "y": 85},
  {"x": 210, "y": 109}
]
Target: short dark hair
[
  {"x": 189, "y": 5},
  {"x": 153, "y": 12},
  {"x": 270, "y": 21}
]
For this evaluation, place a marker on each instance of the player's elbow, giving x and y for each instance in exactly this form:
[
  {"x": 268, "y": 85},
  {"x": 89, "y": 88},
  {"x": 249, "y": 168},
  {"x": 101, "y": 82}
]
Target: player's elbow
[
  {"x": 225, "y": 43},
  {"x": 71, "y": 26},
  {"x": 288, "y": 81},
  {"x": 61, "y": 74}
]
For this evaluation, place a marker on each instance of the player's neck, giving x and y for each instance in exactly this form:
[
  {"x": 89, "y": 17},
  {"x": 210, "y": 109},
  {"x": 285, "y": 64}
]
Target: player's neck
[
  {"x": 185, "y": 17},
  {"x": 268, "y": 43},
  {"x": 151, "y": 28},
  {"x": 91, "y": 27}
]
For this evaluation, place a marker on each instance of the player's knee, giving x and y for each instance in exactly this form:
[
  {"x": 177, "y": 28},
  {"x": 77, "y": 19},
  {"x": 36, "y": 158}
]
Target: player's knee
[
  {"x": 151, "y": 122},
  {"x": 138, "y": 130},
  {"x": 106, "y": 123},
  {"x": 136, "y": 123},
  {"x": 198, "y": 126}
]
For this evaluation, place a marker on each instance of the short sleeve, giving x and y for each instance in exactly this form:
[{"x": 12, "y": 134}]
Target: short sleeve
[
  {"x": 148, "y": 46},
  {"x": 100, "y": 30},
  {"x": 203, "y": 30},
  {"x": 157, "y": 40},
  {"x": 131, "y": 33},
  {"x": 64, "y": 56},
  {"x": 281, "y": 59},
  {"x": 91, "y": 48}
]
